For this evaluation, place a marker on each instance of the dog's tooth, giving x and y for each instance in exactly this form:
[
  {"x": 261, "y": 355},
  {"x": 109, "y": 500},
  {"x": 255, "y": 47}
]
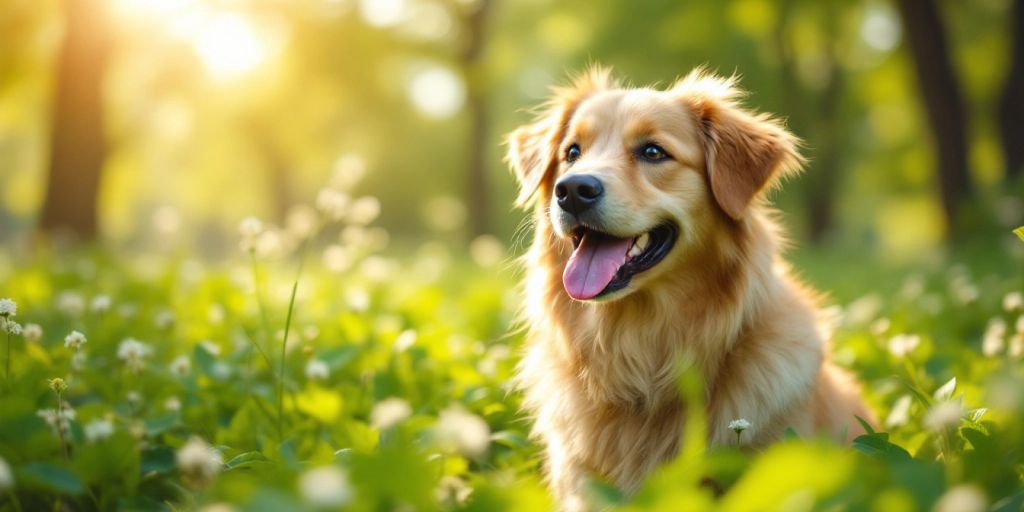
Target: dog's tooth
[
  {"x": 635, "y": 251},
  {"x": 641, "y": 241}
]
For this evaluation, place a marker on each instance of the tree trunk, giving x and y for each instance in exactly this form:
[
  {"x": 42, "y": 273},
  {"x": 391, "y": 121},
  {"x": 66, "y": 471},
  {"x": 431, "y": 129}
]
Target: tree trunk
[
  {"x": 943, "y": 102},
  {"x": 477, "y": 185},
  {"x": 1011, "y": 104},
  {"x": 814, "y": 117},
  {"x": 77, "y": 145}
]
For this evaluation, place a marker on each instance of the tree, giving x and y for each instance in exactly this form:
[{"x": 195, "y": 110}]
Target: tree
[
  {"x": 1011, "y": 104},
  {"x": 943, "y": 101},
  {"x": 477, "y": 185},
  {"x": 77, "y": 145}
]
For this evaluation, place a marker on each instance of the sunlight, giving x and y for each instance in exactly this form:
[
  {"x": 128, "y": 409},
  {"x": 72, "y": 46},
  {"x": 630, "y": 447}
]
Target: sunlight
[
  {"x": 229, "y": 46},
  {"x": 227, "y": 43}
]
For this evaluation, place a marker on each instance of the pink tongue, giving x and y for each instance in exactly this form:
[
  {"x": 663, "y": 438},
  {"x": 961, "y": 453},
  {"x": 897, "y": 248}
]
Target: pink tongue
[{"x": 593, "y": 264}]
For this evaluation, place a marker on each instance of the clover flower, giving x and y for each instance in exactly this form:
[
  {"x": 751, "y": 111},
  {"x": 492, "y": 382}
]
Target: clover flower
[
  {"x": 58, "y": 385},
  {"x": 164, "y": 319},
  {"x": 8, "y": 308},
  {"x": 325, "y": 487},
  {"x": 58, "y": 420},
  {"x": 181, "y": 365},
  {"x": 452, "y": 491},
  {"x": 944, "y": 416},
  {"x": 70, "y": 303},
  {"x": 317, "y": 370},
  {"x": 363, "y": 210},
  {"x": 738, "y": 426},
  {"x": 133, "y": 352},
  {"x": 199, "y": 462},
  {"x": 172, "y": 404},
  {"x": 13, "y": 328},
  {"x": 250, "y": 228},
  {"x": 389, "y": 412},
  {"x": 1013, "y": 301},
  {"x": 333, "y": 204},
  {"x": 6, "y": 475},
  {"x": 994, "y": 340},
  {"x": 962, "y": 498},
  {"x": 465, "y": 432},
  {"x": 98, "y": 430},
  {"x": 902, "y": 344},
  {"x": 32, "y": 332},
  {"x": 74, "y": 340},
  {"x": 100, "y": 304}
]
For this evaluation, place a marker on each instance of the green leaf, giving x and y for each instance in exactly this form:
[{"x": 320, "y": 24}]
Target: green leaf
[
  {"x": 510, "y": 439},
  {"x": 49, "y": 477},
  {"x": 878, "y": 445},
  {"x": 157, "y": 459},
  {"x": 945, "y": 392},
  {"x": 339, "y": 357},
  {"x": 245, "y": 460},
  {"x": 867, "y": 426},
  {"x": 161, "y": 424}
]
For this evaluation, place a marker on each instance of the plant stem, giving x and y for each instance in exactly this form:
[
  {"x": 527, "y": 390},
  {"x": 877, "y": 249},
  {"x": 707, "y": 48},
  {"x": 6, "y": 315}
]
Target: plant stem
[
  {"x": 60, "y": 426},
  {"x": 284, "y": 342}
]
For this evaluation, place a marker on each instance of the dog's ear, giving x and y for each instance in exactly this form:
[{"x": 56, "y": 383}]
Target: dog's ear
[
  {"x": 533, "y": 148},
  {"x": 744, "y": 153}
]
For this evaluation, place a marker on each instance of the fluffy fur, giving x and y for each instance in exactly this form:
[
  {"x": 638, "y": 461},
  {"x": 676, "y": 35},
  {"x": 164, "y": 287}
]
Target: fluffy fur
[{"x": 600, "y": 377}]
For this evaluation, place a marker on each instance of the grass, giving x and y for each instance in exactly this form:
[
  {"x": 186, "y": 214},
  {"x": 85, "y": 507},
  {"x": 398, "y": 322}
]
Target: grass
[{"x": 203, "y": 415}]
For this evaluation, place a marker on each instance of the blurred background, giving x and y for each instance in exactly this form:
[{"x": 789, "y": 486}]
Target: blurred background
[{"x": 143, "y": 123}]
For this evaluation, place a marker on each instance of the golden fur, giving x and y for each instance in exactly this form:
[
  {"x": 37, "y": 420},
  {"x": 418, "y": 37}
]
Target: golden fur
[{"x": 600, "y": 376}]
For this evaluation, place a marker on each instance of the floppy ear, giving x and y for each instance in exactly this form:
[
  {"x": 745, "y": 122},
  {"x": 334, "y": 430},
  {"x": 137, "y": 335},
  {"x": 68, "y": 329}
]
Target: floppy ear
[
  {"x": 531, "y": 154},
  {"x": 533, "y": 148},
  {"x": 744, "y": 152}
]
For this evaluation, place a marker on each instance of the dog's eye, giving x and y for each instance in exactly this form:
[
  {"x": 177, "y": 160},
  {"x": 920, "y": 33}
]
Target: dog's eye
[
  {"x": 653, "y": 152},
  {"x": 573, "y": 153}
]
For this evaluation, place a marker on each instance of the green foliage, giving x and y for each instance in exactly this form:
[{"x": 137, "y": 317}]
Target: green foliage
[{"x": 940, "y": 359}]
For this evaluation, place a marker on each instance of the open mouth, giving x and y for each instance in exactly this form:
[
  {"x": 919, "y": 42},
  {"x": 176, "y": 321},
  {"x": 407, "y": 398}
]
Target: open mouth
[{"x": 602, "y": 263}]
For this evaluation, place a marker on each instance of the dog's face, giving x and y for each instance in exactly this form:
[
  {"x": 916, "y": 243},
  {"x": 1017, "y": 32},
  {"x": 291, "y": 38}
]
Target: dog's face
[{"x": 633, "y": 177}]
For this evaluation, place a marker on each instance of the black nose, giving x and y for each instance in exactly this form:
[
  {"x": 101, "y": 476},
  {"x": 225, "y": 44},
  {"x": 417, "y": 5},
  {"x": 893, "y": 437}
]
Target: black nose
[{"x": 576, "y": 194}]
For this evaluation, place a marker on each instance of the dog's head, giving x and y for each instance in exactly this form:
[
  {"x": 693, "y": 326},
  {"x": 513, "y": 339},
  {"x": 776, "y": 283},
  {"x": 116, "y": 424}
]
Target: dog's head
[{"x": 633, "y": 177}]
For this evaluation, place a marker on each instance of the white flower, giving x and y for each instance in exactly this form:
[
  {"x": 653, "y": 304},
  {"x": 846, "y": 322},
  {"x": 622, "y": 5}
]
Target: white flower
[
  {"x": 364, "y": 210},
  {"x": 6, "y": 475},
  {"x": 317, "y": 370},
  {"x": 133, "y": 396},
  {"x": 1013, "y": 301},
  {"x": 357, "y": 299},
  {"x": 325, "y": 487},
  {"x": 181, "y": 365},
  {"x": 1020, "y": 324},
  {"x": 1016, "y": 345},
  {"x": 198, "y": 462},
  {"x": 337, "y": 258},
  {"x": 458, "y": 430},
  {"x": 78, "y": 360},
  {"x": 962, "y": 498},
  {"x": 211, "y": 347},
  {"x": 944, "y": 416},
  {"x": 301, "y": 221},
  {"x": 13, "y": 328},
  {"x": 8, "y": 308},
  {"x": 100, "y": 304},
  {"x": 250, "y": 228},
  {"x": 452, "y": 491},
  {"x": 389, "y": 412},
  {"x": 486, "y": 250},
  {"x": 739, "y": 425},
  {"x": 74, "y": 340},
  {"x": 172, "y": 404},
  {"x": 164, "y": 319},
  {"x": 900, "y": 412},
  {"x": 903, "y": 344},
  {"x": 406, "y": 339},
  {"x": 97, "y": 430},
  {"x": 332, "y": 203},
  {"x": 70, "y": 303},
  {"x": 58, "y": 421},
  {"x": 133, "y": 352},
  {"x": 881, "y": 326},
  {"x": 32, "y": 332},
  {"x": 994, "y": 340}
]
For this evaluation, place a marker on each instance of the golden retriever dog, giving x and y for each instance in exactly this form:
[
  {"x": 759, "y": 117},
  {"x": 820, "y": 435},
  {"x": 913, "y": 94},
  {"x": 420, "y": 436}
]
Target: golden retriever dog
[{"x": 653, "y": 244}]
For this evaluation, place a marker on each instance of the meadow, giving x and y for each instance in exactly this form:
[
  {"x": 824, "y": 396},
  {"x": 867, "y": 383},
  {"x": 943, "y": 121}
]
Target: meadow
[{"x": 322, "y": 369}]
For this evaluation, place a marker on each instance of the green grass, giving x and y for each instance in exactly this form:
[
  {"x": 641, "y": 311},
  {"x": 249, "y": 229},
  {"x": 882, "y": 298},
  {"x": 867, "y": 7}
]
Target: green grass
[{"x": 434, "y": 331}]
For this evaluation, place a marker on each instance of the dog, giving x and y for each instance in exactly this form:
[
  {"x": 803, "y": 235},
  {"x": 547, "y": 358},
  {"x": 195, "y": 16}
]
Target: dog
[{"x": 653, "y": 244}]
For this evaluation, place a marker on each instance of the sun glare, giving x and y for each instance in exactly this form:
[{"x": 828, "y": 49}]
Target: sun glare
[{"x": 229, "y": 46}]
